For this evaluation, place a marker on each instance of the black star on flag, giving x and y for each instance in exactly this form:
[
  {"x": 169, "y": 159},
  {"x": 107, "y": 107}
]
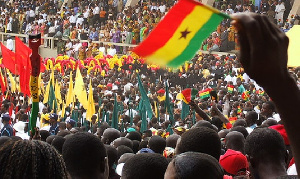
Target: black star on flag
[{"x": 184, "y": 33}]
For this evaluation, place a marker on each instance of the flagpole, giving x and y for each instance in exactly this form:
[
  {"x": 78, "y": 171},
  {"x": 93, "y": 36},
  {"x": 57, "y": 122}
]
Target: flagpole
[{"x": 35, "y": 58}]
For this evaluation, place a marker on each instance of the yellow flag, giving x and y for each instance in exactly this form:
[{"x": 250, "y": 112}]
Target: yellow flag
[
  {"x": 57, "y": 93},
  {"x": 70, "y": 95},
  {"x": 12, "y": 81},
  {"x": 91, "y": 108},
  {"x": 46, "y": 96},
  {"x": 79, "y": 89}
]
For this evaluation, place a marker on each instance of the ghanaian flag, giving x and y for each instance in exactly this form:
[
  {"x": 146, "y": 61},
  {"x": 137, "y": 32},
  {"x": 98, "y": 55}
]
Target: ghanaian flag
[{"x": 179, "y": 35}]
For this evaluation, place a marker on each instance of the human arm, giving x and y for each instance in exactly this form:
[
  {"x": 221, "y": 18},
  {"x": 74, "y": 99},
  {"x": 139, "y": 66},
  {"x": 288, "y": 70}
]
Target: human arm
[
  {"x": 199, "y": 111},
  {"x": 264, "y": 58}
]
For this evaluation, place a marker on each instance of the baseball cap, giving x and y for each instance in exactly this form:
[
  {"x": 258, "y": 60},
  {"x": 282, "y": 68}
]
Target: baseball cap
[
  {"x": 234, "y": 162},
  {"x": 161, "y": 91},
  {"x": 5, "y": 117},
  {"x": 71, "y": 121},
  {"x": 280, "y": 128},
  {"x": 53, "y": 116}
]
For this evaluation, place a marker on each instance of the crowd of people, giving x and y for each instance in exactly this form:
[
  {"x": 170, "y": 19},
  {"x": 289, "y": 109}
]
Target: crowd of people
[
  {"x": 242, "y": 122},
  {"x": 115, "y": 22}
]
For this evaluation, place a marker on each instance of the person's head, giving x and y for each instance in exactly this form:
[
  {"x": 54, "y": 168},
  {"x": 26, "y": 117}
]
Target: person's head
[
  {"x": 122, "y": 149},
  {"x": 53, "y": 118},
  {"x": 112, "y": 155},
  {"x": 85, "y": 156},
  {"x": 146, "y": 166},
  {"x": 202, "y": 139},
  {"x": 122, "y": 141},
  {"x": 30, "y": 159},
  {"x": 265, "y": 147},
  {"x": 4, "y": 107},
  {"x": 58, "y": 143},
  {"x": 203, "y": 166},
  {"x": 5, "y": 119},
  {"x": 134, "y": 135},
  {"x": 234, "y": 163},
  {"x": 240, "y": 122},
  {"x": 268, "y": 108},
  {"x": 240, "y": 129},
  {"x": 251, "y": 118},
  {"x": 109, "y": 135},
  {"x": 235, "y": 140},
  {"x": 203, "y": 123},
  {"x": 172, "y": 140},
  {"x": 70, "y": 124},
  {"x": 157, "y": 144}
]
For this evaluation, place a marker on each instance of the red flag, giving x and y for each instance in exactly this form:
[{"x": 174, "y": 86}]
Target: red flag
[
  {"x": 23, "y": 64},
  {"x": 8, "y": 59}
]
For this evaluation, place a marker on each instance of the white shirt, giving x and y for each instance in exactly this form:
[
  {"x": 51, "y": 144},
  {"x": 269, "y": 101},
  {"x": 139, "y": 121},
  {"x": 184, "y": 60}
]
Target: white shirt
[
  {"x": 102, "y": 49},
  {"x": 79, "y": 21},
  {"x": 86, "y": 14},
  {"x": 72, "y": 19},
  {"x": 10, "y": 44},
  {"x": 111, "y": 51},
  {"x": 162, "y": 8},
  {"x": 77, "y": 46},
  {"x": 31, "y": 13},
  {"x": 96, "y": 10}
]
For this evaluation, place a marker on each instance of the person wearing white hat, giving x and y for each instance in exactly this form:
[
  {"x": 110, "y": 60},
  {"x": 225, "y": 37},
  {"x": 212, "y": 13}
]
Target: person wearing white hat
[{"x": 20, "y": 130}]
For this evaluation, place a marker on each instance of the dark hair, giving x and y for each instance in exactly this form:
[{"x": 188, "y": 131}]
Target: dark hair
[
  {"x": 58, "y": 143},
  {"x": 135, "y": 146},
  {"x": 109, "y": 135},
  {"x": 217, "y": 122},
  {"x": 122, "y": 141},
  {"x": 143, "y": 144},
  {"x": 146, "y": 166},
  {"x": 134, "y": 135},
  {"x": 172, "y": 140},
  {"x": 30, "y": 159},
  {"x": 4, "y": 139},
  {"x": 112, "y": 155},
  {"x": 203, "y": 123},
  {"x": 157, "y": 144},
  {"x": 50, "y": 138},
  {"x": 265, "y": 145},
  {"x": 122, "y": 149},
  {"x": 271, "y": 106},
  {"x": 240, "y": 122},
  {"x": 63, "y": 133},
  {"x": 44, "y": 135},
  {"x": 235, "y": 140},
  {"x": 241, "y": 129},
  {"x": 203, "y": 166},
  {"x": 84, "y": 155},
  {"x": 202, "y": 139}
]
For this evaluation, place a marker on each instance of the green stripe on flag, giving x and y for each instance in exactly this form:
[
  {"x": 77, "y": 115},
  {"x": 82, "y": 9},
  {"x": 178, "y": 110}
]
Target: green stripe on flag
[{"x": 196, "y": 41}]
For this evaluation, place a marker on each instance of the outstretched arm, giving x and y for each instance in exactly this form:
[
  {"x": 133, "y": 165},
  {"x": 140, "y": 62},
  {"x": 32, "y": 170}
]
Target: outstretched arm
[{"x": 264, "y": 57}]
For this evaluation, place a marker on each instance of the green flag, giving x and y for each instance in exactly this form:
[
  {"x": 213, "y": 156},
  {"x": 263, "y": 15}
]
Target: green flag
[
  {"x": 169, "y": 129},
  {"x": 145, "y": 99},
  {"x": 144, "y": 120},
  {"x": 114, "y": 122},
  {"x": 52, "y": 100},
  {"x": 168, "y": 104},
  {"x": 185, "y": 110}
]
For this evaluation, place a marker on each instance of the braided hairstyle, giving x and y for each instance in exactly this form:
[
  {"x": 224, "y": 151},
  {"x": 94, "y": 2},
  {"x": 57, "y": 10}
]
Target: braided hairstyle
[{"x": 31, "y": 159}]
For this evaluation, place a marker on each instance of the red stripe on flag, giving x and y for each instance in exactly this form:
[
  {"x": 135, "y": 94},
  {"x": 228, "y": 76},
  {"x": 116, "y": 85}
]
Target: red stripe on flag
[{"x": 167, "y": 27}]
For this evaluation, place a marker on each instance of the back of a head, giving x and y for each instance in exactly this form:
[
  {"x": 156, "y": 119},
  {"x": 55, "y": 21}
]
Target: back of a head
[
  {"x": 31, "y": 159},
  {"x": 157, "y": 144},
  {"x": 58, "y": 143},
  {"x": 4, "y": 139},
  {"x": 146, "y": 166},
  {"x": 194, "y": 165},
  {"x": 135, "y": 146},
  {"x": 235, "y": 140},
  {"x": 240, "y": 122},
  {"x": 122, "y": 149},
  {"x": 172, "y": 140},
  {"x": 44, "y": 134},
  {"x": 203, "y": 123},
  {"x": 112, "y": 155},
  {"x": 109, "y": 135},
  {"x": 134, "y": 135},
  {"x": 122, "y": 141},
  {"x": 84, "y": 155},
  {"x": 266, "y": 145},
  {"x": 202, "y": 139},
  {"x": 217, "y": 122},
  {"x": 240, "y": 129},
  {"x": 50, "y": 138}
]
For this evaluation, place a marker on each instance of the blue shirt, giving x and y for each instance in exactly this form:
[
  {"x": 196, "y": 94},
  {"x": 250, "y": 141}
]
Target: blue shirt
[
  {"x": 54, "y": 129},
  {"x": 7, "y": 130}
]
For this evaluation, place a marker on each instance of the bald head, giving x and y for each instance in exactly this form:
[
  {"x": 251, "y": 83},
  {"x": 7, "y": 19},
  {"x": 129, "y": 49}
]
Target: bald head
[
  {"x": 109, "y": 135},
  {"x": 235, "y": 140}
]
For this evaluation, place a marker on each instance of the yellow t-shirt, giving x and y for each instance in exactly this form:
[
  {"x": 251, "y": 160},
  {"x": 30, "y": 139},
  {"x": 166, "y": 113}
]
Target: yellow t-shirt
[{"x": 44, "y": 117}]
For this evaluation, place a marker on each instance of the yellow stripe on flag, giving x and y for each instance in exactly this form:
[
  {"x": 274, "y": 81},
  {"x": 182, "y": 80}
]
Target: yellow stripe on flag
[{"x": 176, "y": 45}]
